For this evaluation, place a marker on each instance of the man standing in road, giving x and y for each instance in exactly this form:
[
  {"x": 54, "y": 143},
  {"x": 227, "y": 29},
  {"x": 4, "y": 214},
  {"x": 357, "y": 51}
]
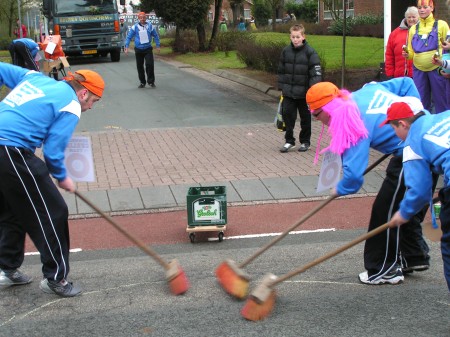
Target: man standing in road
[
  {"x": 39, "y": 111},
  {"x": 143, "y": 32}
]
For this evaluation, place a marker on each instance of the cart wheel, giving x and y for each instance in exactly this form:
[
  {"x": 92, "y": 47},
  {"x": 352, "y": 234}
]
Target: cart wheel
[
  {"x": 220, "y": 236},
  {"x": 192, "y": 237}
]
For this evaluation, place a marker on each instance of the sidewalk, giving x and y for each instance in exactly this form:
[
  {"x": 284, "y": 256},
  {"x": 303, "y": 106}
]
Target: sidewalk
[{"x": 151, "y": 170}]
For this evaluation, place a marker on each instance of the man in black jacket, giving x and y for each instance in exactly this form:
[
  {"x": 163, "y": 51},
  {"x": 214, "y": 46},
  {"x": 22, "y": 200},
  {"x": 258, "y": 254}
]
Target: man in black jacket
[{"x": 298, "y": 70}]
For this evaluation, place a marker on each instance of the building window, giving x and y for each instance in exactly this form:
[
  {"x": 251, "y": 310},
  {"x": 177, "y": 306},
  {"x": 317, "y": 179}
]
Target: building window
[{"x": 335, "y": 6}]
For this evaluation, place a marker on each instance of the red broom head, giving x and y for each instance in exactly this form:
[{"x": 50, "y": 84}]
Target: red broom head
[
  {"x": 232, "y": 279},
  {"x": 256, "y": 310},
  {"x": 178, "y": 281}
]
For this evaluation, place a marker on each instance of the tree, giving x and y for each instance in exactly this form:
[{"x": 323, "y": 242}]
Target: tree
[
  {"x": 262, "y": 12},
  {"x": 9, "y": 12},
  {"x": 215, "y": 29},
  {"x": 335, "y": 8},
  {"x": 275, "y": 5},
  {"x": 236, "y": 9},
  {"x": 186, "y": 14}
]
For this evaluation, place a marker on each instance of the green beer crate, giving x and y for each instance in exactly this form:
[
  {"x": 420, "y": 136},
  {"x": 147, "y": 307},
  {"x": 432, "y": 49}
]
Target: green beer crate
[{"x": 206, "y": 210}]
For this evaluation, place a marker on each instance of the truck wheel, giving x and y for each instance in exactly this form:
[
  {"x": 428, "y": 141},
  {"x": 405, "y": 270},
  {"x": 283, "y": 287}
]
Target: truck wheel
[{"x": 115, "y": 56}]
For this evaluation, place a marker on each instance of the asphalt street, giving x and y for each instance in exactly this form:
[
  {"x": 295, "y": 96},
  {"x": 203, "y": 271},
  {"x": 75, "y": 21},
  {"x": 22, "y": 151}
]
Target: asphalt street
[{"x": 125, "y": 291}]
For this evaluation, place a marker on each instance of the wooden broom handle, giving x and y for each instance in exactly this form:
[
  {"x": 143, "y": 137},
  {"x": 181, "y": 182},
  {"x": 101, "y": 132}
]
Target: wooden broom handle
[
  {"x": 305, "y": 217},
  {"x": 122, "y": 230},
  {"x": 330, "y": 255}
]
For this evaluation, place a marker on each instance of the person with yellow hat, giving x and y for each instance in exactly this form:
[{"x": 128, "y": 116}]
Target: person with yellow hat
[
  {"x": 352, "y": 120},
  {"x": 39, "y": 112},
  {"x": 426, "y": 151},
  {"x": 424, "y": 41}
]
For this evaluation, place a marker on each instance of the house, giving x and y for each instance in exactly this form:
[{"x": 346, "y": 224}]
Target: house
[
  {"x": 376, "y": 7},
  {"x": 227, "y": 11}
]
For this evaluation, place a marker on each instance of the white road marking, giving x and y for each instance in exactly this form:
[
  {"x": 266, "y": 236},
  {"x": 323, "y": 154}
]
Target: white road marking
[
  {"x": 250, "y": 236},
  {"x": 75, "y": 250}
]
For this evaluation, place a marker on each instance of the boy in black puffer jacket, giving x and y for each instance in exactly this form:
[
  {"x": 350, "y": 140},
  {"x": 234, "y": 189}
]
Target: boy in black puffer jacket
[{"x": 298, "y": 70}]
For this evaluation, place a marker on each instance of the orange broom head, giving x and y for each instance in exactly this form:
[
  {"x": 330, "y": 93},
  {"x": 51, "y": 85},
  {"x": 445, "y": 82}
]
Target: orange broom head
[
  {"x": 178, "y": 281},
  {"x": 261, "y": 301},
  {"x": 233, "y": 279}
]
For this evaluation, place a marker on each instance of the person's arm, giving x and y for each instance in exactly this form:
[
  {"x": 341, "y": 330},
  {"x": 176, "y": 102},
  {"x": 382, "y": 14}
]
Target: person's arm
[
  {"x": 281, "y": 71},
  {"x": 389, "y": 63},
  {"x": 11, "y": 75},
  {"x": 315, "y": 70},
  {"x": 354, "y": 163},
  {"x": 401, "y": 86},
  {"x": 155, "y": 35},
  {"x": 130, "y": 35}
]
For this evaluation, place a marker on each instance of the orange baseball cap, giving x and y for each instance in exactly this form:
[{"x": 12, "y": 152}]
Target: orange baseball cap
[
  {"x": 93, "y": 82},
  {"x": 320, "y": 94},
  {"x": 407, "y": 107}
]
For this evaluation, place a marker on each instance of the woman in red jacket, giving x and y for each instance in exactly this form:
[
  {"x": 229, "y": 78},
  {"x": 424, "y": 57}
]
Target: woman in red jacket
[{"x": 395, "y": 64}]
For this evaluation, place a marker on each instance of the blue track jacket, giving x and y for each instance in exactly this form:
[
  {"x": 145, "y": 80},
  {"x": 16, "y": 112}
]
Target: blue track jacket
[
  {"x": 39, "y": 111},
  {"x": 373, "y": 101}
]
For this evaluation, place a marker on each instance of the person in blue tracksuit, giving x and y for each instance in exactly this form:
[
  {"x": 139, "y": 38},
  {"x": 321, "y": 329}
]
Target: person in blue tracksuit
[
  {"x": 39, "y": 112},
  {"x": 143, "y": 32},
  {"x": 426, "y": 151},
  {"x": 353, "y": 120},
  {"x": 23, "y": 53}
]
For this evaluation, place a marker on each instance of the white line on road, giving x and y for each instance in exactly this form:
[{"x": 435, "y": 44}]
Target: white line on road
[{"x": 250, "y": 236}]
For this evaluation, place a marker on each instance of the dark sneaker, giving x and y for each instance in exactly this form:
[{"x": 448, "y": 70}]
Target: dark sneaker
[
  {"x": 142, "y": 85},
  {"x": 410, "y": 269},
  {"x": 303, "y": 147},
  {"x": 394, "y": 276},
  {"x": 13, "y": 278},
  {"x": 287, "y": 147},
  {"x": 152, "y": 84},
  {"x": 62, "y": 288}
]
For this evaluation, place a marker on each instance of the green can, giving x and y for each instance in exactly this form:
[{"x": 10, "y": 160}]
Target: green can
[{"x": 437, "y": 209}]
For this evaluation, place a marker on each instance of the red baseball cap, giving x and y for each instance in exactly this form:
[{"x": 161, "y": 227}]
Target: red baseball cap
[{"x": 407, "y": 107}]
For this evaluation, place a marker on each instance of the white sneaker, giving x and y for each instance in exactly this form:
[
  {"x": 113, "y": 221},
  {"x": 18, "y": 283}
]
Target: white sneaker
[
  {"x": 394, "y": 276},
  {"x": 287, "y": 147}
]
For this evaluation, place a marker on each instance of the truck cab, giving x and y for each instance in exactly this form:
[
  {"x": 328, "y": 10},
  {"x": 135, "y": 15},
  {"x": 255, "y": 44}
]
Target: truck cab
[{"x": 85, "y": 27}]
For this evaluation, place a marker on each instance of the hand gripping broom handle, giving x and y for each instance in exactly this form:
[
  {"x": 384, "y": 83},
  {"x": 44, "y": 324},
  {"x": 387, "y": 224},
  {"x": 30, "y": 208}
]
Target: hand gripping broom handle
[
  {"x": 305, "y": 217},
  {"x": 122, "y": 230},
  {"x": 329, "y": 255}
]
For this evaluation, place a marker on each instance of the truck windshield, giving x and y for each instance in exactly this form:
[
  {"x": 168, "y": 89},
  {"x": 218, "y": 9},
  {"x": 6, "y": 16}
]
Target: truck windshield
[{"x": 85, "y": 7}]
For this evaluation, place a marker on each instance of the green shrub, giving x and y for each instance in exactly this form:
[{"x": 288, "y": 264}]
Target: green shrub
[
  {"x": 263, "y": 57},
  {"x": 4, "y": 43},
  {"x": 361, "y": 25},
  {"x": 187, "y": 42},
  {"x": 227, "y": 41}
]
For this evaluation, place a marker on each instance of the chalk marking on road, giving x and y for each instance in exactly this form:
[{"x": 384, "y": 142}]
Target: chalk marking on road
[
  {"x": 25, "y": 315},
  {"x": 251, "y": 236},
  {"x": 327, "y": 282},
  {"x": 30, "y": 312},
  {"x": 444, "y": 303},
  {"x": 75, "y": 250}
]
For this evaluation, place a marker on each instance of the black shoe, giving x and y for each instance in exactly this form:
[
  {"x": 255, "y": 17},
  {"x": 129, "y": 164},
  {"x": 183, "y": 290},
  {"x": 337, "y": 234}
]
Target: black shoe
[
  {"x": 142, "y": 85},
  {"x": 152, "y": 84},
  {"x": 303, "y": 147},
  {"x": 410, "y": 269},
  {"x": 286, "y": 147}
]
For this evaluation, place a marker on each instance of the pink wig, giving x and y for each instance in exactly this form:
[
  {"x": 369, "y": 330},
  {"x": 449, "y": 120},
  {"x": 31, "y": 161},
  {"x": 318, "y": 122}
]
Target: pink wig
[{"x": 346, "y": 126}]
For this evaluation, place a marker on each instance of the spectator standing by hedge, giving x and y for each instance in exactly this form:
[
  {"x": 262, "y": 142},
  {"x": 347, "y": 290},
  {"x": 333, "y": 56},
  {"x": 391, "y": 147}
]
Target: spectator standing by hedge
[
  {"x": 395, "y": 64},
  {"x": 299, "y": 68},
  {"x": 241, "y": 26}
]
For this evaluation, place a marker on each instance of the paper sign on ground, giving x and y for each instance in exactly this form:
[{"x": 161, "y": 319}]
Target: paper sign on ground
[
  {"x": 79, "y": 161},
  {"x": 330, "y": 171}
]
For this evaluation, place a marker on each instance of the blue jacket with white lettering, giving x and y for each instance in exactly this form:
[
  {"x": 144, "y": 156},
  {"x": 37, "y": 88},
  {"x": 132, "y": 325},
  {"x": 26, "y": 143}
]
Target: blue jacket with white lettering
[{"x": 39, "y": 111}]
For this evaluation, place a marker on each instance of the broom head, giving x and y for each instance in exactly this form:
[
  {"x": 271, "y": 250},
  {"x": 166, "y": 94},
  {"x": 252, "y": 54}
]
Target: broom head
[
  {"x": 233, "y": 279},
  {"x": 178, "y": 281},
  {"x": 261, "y": 301}
]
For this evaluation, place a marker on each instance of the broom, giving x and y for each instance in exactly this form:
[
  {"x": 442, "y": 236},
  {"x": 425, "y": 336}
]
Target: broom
[
  {"x": 261, "y": 301},
  {"x": 178, "y": 281},
  {"x": 235, "y": 280}
]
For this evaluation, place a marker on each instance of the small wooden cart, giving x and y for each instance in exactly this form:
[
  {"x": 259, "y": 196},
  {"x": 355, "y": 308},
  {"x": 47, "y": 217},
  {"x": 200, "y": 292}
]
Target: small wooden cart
[{"x": 207, "y": 210}]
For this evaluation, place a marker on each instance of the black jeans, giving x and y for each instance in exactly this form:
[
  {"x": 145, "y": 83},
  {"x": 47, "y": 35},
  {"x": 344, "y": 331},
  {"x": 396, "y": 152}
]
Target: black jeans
[
  {"x": 145, "y": 55},
  {"x": 290, "y": 107},
  {"x": 21, "y": 56},
  {"x": 381, "y": 252}
]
